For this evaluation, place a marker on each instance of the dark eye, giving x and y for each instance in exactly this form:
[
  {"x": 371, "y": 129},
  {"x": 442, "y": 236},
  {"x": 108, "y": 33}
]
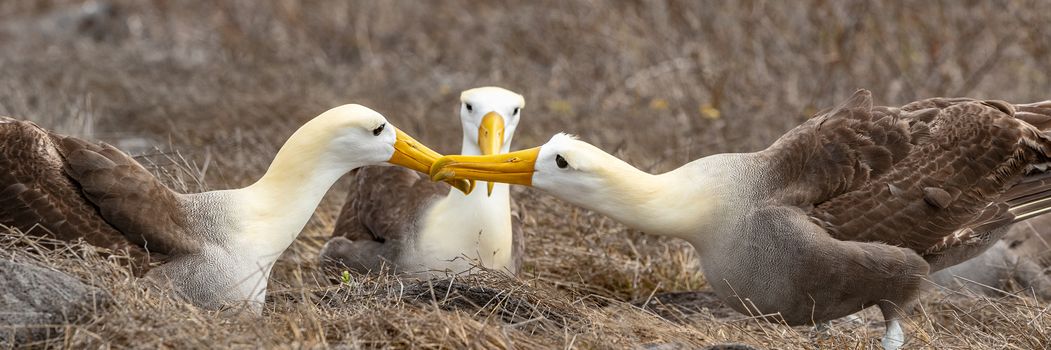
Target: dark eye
[
  {"x": 379, "y": 129},
  {"x": 561, "y": 162},
  {"x": 515, "y": 111},
  {"x": 469, "y": 107}
]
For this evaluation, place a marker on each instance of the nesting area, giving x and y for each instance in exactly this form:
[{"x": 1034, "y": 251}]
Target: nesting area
[{"x": 203, "y": 94}]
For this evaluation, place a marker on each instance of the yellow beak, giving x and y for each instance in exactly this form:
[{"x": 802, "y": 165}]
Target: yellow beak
[
  {"x": 512, "y": 168},
  {"x": 414, "y": 155},
  {"x": 491, "y": 138}
]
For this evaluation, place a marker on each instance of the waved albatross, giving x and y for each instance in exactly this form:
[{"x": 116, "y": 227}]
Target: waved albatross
[
  {"x": 396, "y": 218},
  {"x": 850, "y": 209},
  {"x": 220, "y": 245}
]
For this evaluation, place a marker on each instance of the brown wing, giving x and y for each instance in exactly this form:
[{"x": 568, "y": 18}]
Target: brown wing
[
  {"x": 379, "y": 218},
  {"x": 128, "y": 196},
  {"x": 37, "y": 197},
  {"x": 383, "y": 203},
  {"x": 928, "y": 176},
  {"x": 839, "y": 151}
]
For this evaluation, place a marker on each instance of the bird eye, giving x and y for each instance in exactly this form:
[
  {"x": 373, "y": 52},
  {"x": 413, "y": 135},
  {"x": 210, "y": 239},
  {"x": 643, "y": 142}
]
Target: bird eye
[
  {"x": 515, "y": 111},
  {"x": 379, "y": 129},
  {"x": 561, "y": 162},
  {"x": 469, "y": 107}
]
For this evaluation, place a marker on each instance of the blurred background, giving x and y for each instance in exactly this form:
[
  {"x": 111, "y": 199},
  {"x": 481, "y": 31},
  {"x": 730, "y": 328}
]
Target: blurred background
[
  {"x": 686, "y": 78},
  {"x": 205, "y": 92}
]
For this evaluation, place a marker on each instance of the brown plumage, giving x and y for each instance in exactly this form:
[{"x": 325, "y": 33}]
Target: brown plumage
[
  {"x": 218, "y": 246},
  {"x": 66, "y": 188},
  {"x": 851, "y": 209},
  {"x": 402, "y": 221},
  {"x": 375, "y": 228},
  {"x": 943, "y": 178},
  {"x": 929, "y": 176}
]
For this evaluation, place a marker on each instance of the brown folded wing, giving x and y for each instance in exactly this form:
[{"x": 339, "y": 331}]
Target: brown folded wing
[
  {"x": 37, "y": 197},
  {"x": 929, "y": 176},
  {"x": 75, "y": 189},
  {"x": 128, "y": 196},
  {"x": 380, "y": 217}
]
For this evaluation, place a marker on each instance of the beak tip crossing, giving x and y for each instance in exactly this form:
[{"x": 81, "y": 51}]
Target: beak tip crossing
[
  {"x": 442, "y": 175},
  {"x": 465, "y": 186}
]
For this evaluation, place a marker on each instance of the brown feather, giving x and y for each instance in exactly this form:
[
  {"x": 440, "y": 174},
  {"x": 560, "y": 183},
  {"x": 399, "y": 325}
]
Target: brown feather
[
  {"x": 929, "y": 176},
  {"x": 128, "y": 196},
  {"x": 937, "y": 197},
  {"x": 857, "y": 205},
  {"x": 380, "y": 217},
  {"x": 39, "y": 198},
  {"x": 374, "y": 208}
]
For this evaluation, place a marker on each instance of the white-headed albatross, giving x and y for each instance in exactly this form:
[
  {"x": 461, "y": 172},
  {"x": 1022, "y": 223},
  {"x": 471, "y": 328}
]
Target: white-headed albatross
[
  {"x": 220, "y": 245},
  {"x": 396, "y": 218},
  {"x": 851, "y": 209}
]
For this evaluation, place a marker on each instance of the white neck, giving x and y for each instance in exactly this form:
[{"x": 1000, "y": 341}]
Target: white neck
[
  {"x": 470, "y": 147},
  {"x": 280, "y": 204},
  {"x": 267, "y": 216},
  {"x": 687, "y": 202},
  {"x": 477, "y": 225}
]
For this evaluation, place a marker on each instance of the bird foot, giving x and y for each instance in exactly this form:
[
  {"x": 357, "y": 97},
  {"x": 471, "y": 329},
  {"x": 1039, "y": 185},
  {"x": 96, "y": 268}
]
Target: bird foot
[{"x": 895, "y": 336}]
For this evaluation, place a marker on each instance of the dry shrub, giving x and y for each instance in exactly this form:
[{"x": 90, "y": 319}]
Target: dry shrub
[{"x": 206, "y": 92}]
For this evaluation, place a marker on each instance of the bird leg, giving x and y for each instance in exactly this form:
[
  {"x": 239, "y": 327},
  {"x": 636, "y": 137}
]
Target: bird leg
[{"x": 894, "y": 337}]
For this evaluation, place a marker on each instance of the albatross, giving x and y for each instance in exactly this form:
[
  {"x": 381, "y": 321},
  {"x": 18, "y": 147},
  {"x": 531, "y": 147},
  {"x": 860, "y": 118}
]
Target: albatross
[
  {"x": 219, "y": 245},
  {"x": 398, "y": 219},
  {"x": 851, "y": 209}
]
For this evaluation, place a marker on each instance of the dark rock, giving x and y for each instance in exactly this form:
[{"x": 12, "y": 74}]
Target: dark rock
[
  {"x": 996, "y": 271},
  {"x": 34, "y": 300}
]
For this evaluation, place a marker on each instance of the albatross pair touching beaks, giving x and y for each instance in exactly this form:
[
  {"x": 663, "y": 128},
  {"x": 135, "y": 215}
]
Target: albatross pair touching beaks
[
  {"x": 220, "y": 245},
  {"x": 397, "y": 219},
  {"x": 851, "y": 209}
]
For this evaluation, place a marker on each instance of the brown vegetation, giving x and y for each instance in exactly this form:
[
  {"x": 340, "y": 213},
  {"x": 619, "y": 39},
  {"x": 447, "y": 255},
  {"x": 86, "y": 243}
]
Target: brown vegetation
[{"x": 206, "y": 91}]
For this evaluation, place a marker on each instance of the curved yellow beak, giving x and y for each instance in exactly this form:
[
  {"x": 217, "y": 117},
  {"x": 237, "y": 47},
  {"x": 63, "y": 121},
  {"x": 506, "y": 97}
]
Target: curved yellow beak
[
  {"x": 491, "y": 138},
  {"x": 414, "y": 155},
  {"x": 514, "y": 168}
]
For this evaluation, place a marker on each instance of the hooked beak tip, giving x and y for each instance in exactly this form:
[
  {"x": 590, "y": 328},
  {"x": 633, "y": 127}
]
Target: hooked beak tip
[{"x": 443, "y": 175}]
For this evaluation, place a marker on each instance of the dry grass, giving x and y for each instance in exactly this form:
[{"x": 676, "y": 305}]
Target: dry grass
[{"x": 217, "y": 86}]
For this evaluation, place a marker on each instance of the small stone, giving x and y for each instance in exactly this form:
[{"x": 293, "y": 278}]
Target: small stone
[{"x": 32, "y": 296}]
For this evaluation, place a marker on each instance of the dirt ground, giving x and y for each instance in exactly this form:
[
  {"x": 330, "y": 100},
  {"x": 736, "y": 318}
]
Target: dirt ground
[{"x": 204, "y": 92}]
